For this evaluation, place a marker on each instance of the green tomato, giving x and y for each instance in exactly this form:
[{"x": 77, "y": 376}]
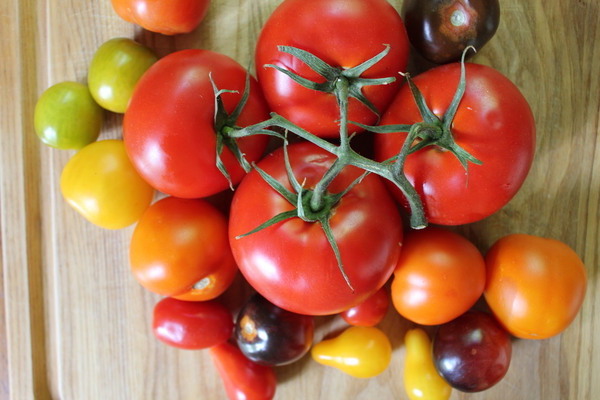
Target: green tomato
[
  {"x": 66, "y": 116},
  {"x": 115, "y": 70}
]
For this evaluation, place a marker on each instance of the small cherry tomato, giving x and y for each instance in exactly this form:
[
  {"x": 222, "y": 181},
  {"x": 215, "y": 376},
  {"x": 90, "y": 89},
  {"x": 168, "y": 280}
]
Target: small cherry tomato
[
  {"x": 271, "y": 335},
  {"x": 168, "y": 17},
  {"x": 535, "y": 286},
  {"x": 472, "y": 352},
  {"x": 370, "y": 312},
  {"x": 101, "y": 184},
  {"x": 243, "y": 379},
  {"x": 114, "y": 71},
  {"x": 179, "y": 248},
  {"x": 441, "y": 29},
  {"x": 439, "y": 276},
  {"x": 67, "y": 117},
  {"x": 191, "y": 324},
  {"x": 421, "y": 379},
  {"x": 359, "y": 351}
]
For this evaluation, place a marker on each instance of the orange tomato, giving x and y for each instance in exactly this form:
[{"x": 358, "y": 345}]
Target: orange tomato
[
  {"x": 439, "y": 276},
  {"x": 180, "y": 249},
  {"x": 167, "y": 17},
  {"x": 535, "y": 286}
]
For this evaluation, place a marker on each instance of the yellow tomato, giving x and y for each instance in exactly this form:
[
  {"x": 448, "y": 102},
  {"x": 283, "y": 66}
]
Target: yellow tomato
[
  {"x": 102, "y": 185},
  {"x": 421, "y": 379},
  {"x": 359, "y": 351}
]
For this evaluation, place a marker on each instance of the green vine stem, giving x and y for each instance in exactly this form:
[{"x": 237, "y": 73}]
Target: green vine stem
[
  {"x": 343, "y": 84},
  {"x": 348, "y": 157},
  {"x": 316, "y": 205}
]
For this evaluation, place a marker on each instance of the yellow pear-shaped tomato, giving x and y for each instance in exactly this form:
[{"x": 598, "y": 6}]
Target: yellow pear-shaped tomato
[
  {"x": 102, "y": 185},
  {"x": 359, "y": 351},
  {"x": 421, "y": 379}
]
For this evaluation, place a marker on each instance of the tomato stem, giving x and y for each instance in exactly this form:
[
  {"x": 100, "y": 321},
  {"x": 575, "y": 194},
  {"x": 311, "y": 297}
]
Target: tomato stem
[
  {"x": 343, "y": 87},
  {"x": 341, "y": 92}
]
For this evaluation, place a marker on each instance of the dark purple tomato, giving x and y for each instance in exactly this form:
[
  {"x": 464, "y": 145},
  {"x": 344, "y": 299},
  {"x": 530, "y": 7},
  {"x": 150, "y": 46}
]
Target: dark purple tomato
[
  {"x": 472, "y": 352},
  {"x": 440, "y": 30},
  {"x": 270, "y": 335}
]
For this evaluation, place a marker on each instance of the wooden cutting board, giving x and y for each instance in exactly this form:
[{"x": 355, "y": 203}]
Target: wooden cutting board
[{"x": 74, "y": 324}]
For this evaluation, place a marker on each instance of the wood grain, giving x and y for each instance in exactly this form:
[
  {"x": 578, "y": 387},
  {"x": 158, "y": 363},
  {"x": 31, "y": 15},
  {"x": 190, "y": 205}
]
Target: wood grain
[{"x": 74, "y": 323}]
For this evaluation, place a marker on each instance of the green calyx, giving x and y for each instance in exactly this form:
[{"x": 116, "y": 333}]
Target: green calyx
[
  {"x": 432, "y": 131},
  {"x": 226, "y": 129},
  {"x": 315, "y": 205},
  {"x": 350, "y": 79},
  {"x": 301, "y": 198}
]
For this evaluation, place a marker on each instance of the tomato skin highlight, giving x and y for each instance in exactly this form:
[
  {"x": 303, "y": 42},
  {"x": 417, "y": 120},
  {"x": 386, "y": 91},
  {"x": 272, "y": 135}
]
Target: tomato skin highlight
[
  {"x": 439, "y": 276},
  {"x": 179, "y": 248},
  {"x": 242, "y": 378},
  {"x": 191, "y": 325},
  {"x": 535, "y": 286},
  {"x": 167, "y": 17},
  {"x": 494, "y": 123},
  {"x": 341, "y": 33},
  {"x": 291, "y": 263},
  {"x": 169, "y": 129}
]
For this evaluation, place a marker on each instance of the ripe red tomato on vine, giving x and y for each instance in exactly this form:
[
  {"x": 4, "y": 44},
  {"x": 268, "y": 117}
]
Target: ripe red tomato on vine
[
  {"x": 292, "y": 263},
  {"x": 170, "y": 129},
  {"x": 493, "y": 123},
  {"x": 342, "y": 33}
]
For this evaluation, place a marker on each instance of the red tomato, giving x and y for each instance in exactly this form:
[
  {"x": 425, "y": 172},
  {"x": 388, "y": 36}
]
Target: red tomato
[
  {"x": 179, "y": 248},
  {"x": 535, "y": 286},
  {"x": 191, "y": 324},
  {"x": 169, "y": 126},
  {"x": 167, "y": 17},
  {"x": 292, "y": 263},
  {"x": 370, "y": 312},
  {"x": 440, "y": 275},
  {"x": 344, "y": 34},
  {"x": 493, "y": 123},
  {"x": 243, "y": 379}
]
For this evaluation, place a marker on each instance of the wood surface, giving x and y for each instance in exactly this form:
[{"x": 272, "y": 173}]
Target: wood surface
[{"x": 74, "y": 324}]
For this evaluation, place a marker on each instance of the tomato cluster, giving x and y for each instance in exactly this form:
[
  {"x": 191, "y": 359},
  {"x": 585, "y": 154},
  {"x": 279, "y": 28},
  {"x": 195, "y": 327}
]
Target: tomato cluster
[{"x": 316, "y": 227}]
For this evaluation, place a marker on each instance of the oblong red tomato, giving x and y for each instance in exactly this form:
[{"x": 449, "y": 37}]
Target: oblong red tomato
[
  {"x": 169, "y": 128},
  {"x": 344, "y": 34},
  {"x": 243, "y": 379},
  {"x": 180, "y": 248},
  {"x": 191, "y": 325},
  {"x": 493, "y": 123},
  {"x": 291, "y": 263}
]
